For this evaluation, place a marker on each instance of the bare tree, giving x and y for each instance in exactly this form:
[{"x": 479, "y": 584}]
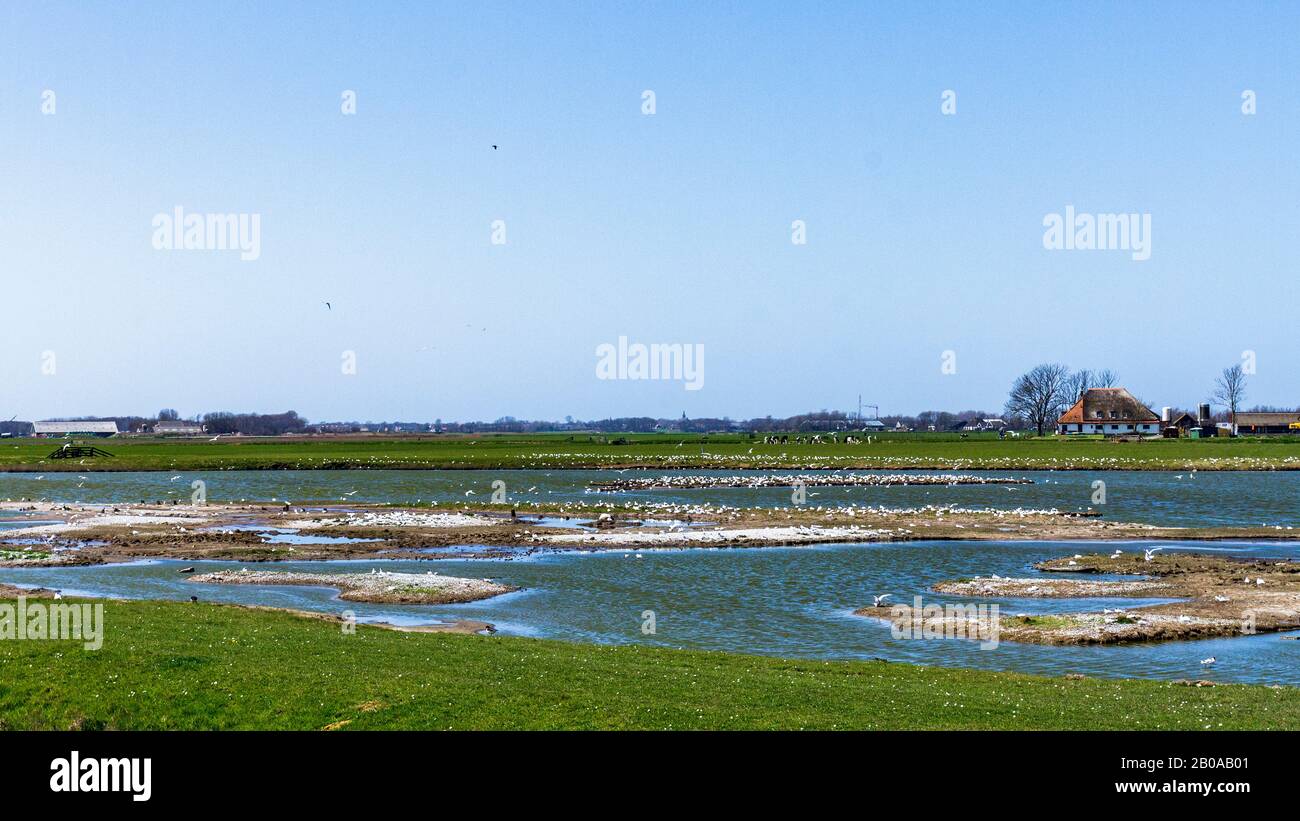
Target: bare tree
[
  {"x": 1077, "y": 384},
  {"x": 1230, "y": 391},
  {"x": 1039, "y": 395}
]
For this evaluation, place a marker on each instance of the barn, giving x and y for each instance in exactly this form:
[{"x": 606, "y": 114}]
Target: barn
[
  {"x": 172, "y": 427},
  {"x": 74, "y": 428},
  {"x": 1254, "y": 423}
]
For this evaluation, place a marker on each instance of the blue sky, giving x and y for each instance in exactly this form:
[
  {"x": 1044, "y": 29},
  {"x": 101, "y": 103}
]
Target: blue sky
[{"x": 924, "y": 231}]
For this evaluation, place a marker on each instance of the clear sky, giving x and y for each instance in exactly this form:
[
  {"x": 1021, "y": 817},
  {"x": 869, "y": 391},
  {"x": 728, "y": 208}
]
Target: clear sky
[{"x": 924, "y": 230}]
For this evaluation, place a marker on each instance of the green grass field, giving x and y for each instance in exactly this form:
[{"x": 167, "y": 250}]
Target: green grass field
[
  {"x": 170, "y": 665},
  {"x": 551, "y": 451}
]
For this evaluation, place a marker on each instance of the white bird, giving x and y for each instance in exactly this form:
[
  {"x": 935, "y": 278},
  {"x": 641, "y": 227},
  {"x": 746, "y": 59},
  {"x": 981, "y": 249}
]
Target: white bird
[
  {"x": 58, "y": 595},
  {"x": 1207, "y": 662},
  {"x": 879, "y": 601},
  {"x": 174, "y": 478},
  {"x": 1149, "y": 552},
  {"x": 1221, "y": 598}
]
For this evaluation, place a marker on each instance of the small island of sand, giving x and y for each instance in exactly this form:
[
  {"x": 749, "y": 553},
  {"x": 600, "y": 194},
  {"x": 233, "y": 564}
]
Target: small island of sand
[{"x": 375, "y": 587}]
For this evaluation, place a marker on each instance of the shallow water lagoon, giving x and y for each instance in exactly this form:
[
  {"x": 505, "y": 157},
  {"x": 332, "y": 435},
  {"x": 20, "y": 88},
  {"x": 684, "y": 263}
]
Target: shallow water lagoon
[
  {"x": 788, "y": 602},
  {"x": 1204, "y": 499},
  {"x": 288, "y": 535}
]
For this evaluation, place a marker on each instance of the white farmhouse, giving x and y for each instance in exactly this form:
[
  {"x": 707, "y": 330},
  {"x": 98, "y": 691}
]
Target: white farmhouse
[{"x": 1109, "y": 411}]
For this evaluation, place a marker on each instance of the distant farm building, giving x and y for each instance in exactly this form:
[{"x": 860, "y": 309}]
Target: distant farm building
[
  {"x": 338, "y": 427},
  {"x": 1109, "y": 411},
  {"x": 177, "y": 428},
  {"x": 1178, "y": 426},
  {"x": 76, "y": 428},
  {"x": 981, "y": 424},
  {"x": 1255, "y": 424}
]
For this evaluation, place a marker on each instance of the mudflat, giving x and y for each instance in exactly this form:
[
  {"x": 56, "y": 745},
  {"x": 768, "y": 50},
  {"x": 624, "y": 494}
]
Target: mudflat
[{"x": 1217, "y": 597}]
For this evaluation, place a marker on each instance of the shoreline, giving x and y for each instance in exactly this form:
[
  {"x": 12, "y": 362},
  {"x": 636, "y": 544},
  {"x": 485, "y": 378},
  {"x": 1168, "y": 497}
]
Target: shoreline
[
  {"x": 272, "y": 670},
  {"x": 468, "y": 627},
  {"x": 900, "y": 464}
]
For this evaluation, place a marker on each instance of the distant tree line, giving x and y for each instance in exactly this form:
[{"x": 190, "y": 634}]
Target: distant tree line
[
  {"x": 254, "y": 424},
  {"x": 1038, "y": 397},
  {"x": 813, "y": 421}
]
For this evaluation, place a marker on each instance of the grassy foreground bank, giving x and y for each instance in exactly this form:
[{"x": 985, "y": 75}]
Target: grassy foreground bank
[
  {"x": 171, "y": 665},
  {"x": 663, "y": 450}
]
